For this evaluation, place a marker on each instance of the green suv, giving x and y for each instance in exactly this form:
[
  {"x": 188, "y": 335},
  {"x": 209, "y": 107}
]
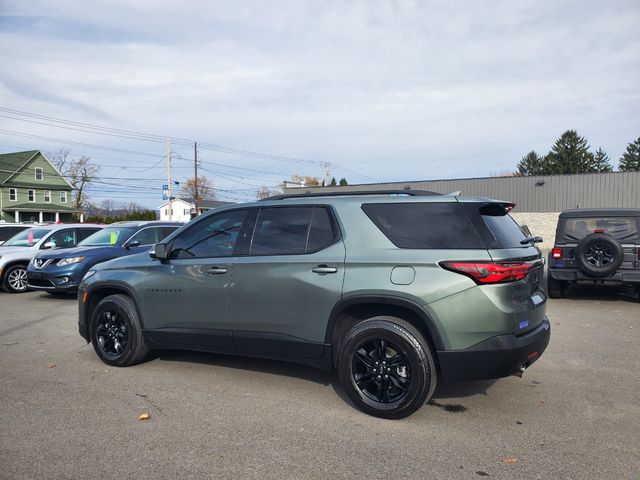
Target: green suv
[{"x": 394, "y": 290}]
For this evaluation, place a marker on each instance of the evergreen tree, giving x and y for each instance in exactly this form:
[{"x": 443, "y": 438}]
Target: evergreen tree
[
  {"x": 333, "y": 182},
  {"x": 532, "y": 164},
  {"x": 570, "y": 154},
  {"x": 343, "y": 182},
  {"x": 600, "y": 162},
  {"x": 630, "y": 160}
]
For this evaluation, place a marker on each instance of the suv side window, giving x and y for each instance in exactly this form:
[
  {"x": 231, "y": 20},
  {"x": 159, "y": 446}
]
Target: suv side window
[
  {"x": 425, "y": 225},
  {"x": 281, "y": 231},
  {"x": 146, "y": 236},
  {"x": 164, "y": 232},
  {"x": 214, "y": 236},
  {"x": 63, "y": 238},
  {"x": 321, "y": 233},
  {"x": 86, "y": 233}
]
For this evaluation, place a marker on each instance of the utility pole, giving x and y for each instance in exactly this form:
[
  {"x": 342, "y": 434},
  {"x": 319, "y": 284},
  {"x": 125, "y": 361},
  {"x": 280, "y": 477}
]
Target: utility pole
[
  {"x": 170, "y": 182},
  {"x": 195, "y": 178},
  {"x": 325, "y": 166}
]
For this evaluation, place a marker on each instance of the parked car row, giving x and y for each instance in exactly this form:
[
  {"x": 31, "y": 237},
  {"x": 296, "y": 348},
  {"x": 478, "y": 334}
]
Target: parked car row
[{"x": 55, "y": 257}]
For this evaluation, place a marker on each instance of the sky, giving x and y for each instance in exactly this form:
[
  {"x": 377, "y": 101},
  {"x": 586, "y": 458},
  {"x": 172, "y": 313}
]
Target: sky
[{"x": 378, "y": 90}]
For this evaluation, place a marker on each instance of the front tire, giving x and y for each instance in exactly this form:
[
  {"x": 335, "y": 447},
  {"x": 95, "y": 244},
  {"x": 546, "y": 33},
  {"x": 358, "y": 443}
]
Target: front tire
[
  {"x": 116, "y": 333},
  {"x": 386, "y": 367},
  {"x": 15, "y": 279}
]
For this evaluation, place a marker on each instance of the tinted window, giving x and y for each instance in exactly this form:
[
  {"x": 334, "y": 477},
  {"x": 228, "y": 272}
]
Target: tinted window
[
  {"x": 164, "y": 232},
  {"x": 27, "y": 238},
  {"x": 424, "y": 225},
  {"x": 321, "y": 233},
  {"x": 620, "y": 228},
  {"x": 8, "y": 232},
  {"x": 63, "y": 238},
  {"x": 503, "y": 226},
  {"x": 146, "y": 236},
  {"x": 86, "y": 233},
  {"x": 281, "y": 231},
  {"x": 214, "y": 236}
]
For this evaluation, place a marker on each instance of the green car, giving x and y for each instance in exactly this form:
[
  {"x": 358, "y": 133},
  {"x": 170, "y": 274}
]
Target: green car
[{"x": 396, "y": 290}]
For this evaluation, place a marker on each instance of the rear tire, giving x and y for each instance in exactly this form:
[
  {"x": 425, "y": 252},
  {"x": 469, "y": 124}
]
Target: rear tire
[
  {"x": 386, "y": 367},
  {"x": 555, "y": 288},
  {"x": 116, "y": 333}
]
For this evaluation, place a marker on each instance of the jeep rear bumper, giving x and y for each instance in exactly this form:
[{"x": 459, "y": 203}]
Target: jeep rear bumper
[
  {"x": 496, "y": 357},
  {"x": 619, "y": 278}
]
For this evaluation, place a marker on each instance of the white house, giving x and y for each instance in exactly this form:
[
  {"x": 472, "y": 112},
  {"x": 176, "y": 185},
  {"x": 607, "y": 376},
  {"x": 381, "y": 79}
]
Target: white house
[{"x": 181, "y": 209}]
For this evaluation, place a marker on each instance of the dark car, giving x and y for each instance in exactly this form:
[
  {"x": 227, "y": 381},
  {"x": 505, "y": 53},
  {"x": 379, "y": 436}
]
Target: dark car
[
  {"x": 597, "y": 246},
  {"x": 61, "y": 271},
  {"x": 395, "y": 290}
]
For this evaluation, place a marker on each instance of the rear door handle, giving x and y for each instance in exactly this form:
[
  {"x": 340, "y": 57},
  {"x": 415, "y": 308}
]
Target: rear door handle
[
  {"x": 216, "y": 271},
  {"x": 323, "y": 269}
]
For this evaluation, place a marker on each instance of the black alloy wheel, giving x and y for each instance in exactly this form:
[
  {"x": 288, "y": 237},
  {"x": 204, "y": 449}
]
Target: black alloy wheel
[
  {"x": 599, "y": 255},
  {"x": 116, "y": 331},
  {"x": 381, "y": 371},
  {"x": 112, "y": 334},
  {"x": 386, "y": 367}
]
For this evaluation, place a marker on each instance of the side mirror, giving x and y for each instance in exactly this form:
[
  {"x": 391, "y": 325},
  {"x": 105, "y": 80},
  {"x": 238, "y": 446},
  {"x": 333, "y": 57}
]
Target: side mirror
[
  {"x": 160, "y": 251},
  {"x": 128, "y": 245},
  {"x": 49, "y": 245}
]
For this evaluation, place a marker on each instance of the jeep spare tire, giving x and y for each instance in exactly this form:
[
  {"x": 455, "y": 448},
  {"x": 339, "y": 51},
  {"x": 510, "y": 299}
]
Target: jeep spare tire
[{"x": 599, "y": 255}]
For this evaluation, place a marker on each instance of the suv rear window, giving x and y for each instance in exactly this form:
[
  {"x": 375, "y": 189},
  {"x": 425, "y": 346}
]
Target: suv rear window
[
  {"x": 424, "y": 225},
  {"x": 575, "y": 229},
  {"x": 503, "y": 226}
]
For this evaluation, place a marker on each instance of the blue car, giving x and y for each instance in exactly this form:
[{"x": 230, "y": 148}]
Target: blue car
[{"x": 60, "y": 271}]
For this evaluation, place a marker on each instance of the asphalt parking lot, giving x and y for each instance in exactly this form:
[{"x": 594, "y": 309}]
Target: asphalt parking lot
[{"x": 574, "y": 414}]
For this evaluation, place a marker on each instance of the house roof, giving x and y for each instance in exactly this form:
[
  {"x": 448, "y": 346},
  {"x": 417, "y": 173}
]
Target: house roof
[
  {"x": 10, "y": 163},
  {"x": 39, "y": 207}
]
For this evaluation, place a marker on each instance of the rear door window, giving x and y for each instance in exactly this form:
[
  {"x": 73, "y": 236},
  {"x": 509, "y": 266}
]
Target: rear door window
[
  {"x": 425, "y": 225},
  {"x": 281, "y": 231},
  {"x": 621, "y": 228}
]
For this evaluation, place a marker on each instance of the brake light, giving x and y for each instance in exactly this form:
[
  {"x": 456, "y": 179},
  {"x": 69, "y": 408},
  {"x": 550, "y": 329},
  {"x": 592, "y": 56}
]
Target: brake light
[
  {"x": 488, "y": 272},
  {"x": 598, "y": 231},
  {"x": 556, "y": 253}
]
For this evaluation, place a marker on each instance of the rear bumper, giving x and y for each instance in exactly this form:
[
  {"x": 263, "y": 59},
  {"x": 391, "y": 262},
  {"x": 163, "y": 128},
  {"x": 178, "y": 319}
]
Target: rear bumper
[
  {"x": 496, "y": 357},
  {"x": 620, "y": 277}
]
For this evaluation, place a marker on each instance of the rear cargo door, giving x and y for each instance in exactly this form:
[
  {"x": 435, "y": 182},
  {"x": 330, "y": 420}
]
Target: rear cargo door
[{"x": 503, "y": 236}]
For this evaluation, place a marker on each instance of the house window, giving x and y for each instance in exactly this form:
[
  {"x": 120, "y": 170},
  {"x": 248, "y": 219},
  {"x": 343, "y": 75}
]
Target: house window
[
  {"x": 39, "y": 174},
  {"x": 63, "y": 197},
  {"x": 187, "y": 211},
  {"x": 32, "y": 195},
  {"x": 13, "y": 195},
  {"x": 47, "y": 196},
  {"x": 166, "y": 211}
]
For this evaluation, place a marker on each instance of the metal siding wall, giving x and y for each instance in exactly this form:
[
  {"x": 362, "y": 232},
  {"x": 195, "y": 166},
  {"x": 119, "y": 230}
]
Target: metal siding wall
[{"x": 559, "y": 192}]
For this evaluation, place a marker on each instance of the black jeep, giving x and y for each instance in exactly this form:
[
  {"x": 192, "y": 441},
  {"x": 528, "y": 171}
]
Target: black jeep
[{"x": 598, "y": 246}]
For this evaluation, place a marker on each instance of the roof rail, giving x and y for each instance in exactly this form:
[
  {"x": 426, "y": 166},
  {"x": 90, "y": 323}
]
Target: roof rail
[{"x": 308, "y": 194}]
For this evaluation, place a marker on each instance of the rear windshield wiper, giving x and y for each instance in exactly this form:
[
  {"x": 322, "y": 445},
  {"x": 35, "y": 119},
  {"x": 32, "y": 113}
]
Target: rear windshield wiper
[{"x": 531, "y": 240}]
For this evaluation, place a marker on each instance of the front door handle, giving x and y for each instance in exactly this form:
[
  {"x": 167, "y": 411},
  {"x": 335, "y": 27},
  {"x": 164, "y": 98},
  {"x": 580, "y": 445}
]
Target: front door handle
[
  {"x": 216, "y": 271},
  {"x": 323, "y": 269}
]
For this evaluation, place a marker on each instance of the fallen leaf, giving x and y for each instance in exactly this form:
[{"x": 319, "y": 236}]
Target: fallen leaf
[
  {"x": 518, "y": 422},
  {"x": 51, "y": 365},
  {"x": 509, "y": 460},
  {"x": 482, "y": 474},
  {"x": 144, "y": 416}
]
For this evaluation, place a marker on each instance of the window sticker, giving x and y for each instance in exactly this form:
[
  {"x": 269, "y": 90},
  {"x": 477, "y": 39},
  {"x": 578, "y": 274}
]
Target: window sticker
[
  {"x": 113, "y": 239},
  {"x": 30, "y": 238}
]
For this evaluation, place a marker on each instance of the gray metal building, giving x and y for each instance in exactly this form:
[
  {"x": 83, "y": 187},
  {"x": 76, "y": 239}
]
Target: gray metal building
[{"x": 549, "y": 193}]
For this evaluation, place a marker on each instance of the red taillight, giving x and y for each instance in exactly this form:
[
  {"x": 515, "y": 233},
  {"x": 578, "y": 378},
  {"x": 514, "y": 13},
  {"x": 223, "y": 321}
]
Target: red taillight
[
  {"x": 598, "y": 231},
  {"x": 556, "y": 253},
  {"x": 488, "y": 272}
]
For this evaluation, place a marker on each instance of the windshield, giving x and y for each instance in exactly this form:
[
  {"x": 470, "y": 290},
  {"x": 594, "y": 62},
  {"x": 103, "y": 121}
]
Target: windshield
[
  {"x": 26, "y": 238},
  {"x": 620, "y": 228},
  {"x": 107, "y": 237}
]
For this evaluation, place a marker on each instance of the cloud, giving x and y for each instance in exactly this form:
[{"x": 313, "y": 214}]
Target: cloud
[{"x": 396, "y": 90}]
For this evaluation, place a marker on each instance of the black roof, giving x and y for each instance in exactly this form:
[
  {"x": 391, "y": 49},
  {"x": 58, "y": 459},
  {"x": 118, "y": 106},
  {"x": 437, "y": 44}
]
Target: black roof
[{"x": 601, "y": 212}]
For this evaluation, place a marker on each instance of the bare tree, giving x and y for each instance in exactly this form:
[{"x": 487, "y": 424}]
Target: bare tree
[
  {"x": 205, "y": 189},
  {"x": 264, "y": 192},
  {"x": 108, "y": 207},
  {"x": 79, "y": 172}
]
